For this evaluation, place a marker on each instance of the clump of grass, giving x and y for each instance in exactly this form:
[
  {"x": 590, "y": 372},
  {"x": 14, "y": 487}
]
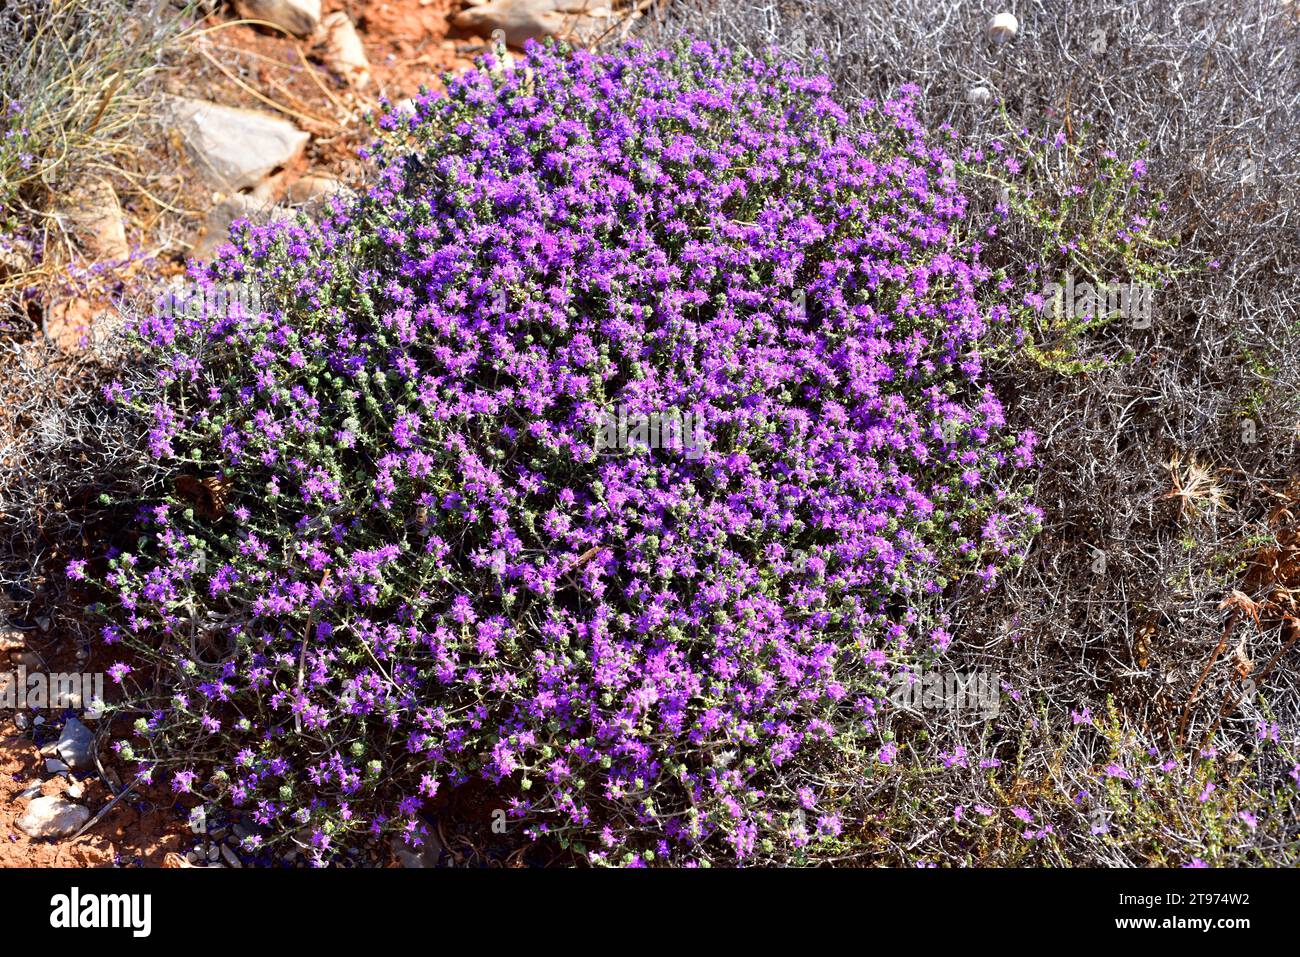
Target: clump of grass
[{"x": 75, "y": 93}]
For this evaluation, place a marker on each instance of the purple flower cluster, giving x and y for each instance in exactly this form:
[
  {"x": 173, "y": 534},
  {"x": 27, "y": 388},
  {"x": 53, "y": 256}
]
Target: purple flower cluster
[{"x": 425, "y": 570}]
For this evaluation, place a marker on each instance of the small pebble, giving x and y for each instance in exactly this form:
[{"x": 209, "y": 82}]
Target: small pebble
[
  {"x": 52, "y": 817},
  {"x": 76, "y": 745},
  {"x": 1002, "y": 27}
]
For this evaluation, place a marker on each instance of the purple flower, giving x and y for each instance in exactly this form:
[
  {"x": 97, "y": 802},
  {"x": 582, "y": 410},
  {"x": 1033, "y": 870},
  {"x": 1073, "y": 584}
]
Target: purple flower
[{"x": 119, "y": 671}]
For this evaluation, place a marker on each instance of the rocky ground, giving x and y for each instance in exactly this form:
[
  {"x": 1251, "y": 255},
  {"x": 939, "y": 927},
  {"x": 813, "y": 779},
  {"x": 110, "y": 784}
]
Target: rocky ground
[{"x": 260, "y": 112}]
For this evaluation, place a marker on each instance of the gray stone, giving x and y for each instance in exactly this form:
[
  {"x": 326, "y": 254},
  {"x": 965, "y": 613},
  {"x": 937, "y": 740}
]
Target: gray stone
[
  {"x": 523, "y": 20},
  {"x": 299, "y": 17},
  {"x": 52, "y": 817},
  {"x": 55, "y": 766},
  {"x": 231, "y": 858},
  {"x": 77, "y": 745},
  {"x": 344, "y": 53},
  {"x": 91, "y": 212},
  {"x": 233, "y": 148}
]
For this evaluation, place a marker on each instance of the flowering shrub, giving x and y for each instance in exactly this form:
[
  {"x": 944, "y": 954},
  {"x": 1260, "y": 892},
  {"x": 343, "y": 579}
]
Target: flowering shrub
[{"x": 395, "y": 555}]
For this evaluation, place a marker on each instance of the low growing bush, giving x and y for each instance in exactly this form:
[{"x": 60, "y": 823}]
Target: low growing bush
[{"x": 401, "y": 545}]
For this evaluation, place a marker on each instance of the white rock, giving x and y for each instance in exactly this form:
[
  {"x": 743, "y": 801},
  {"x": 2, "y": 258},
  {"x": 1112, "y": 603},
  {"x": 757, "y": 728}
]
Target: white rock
[
  {"x": 299, "y": 17},
  {"x": 523, "y": 20},
  {"x": 1002, "y": 27},
  {"x": 52, "y": 817},
  {"x": 29, "y": 792},
  {"x": 979, "y": 96},
  {"x": 55, "y": 766},
  {"x": 92, "y": 214},
  {"x": 235, "y": 149},
  {"x": 344, "y": 53}
]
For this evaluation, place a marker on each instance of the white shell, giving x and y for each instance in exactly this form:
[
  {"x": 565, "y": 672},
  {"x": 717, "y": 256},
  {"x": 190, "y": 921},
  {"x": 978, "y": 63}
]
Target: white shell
[
  {"x": 1002, "y": 27},
  {"x": 979, "y": 96}
]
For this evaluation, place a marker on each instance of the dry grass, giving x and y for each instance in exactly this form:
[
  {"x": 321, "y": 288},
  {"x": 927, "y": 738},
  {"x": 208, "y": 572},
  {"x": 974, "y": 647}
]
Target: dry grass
[{"x": 78, "y": 92}]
